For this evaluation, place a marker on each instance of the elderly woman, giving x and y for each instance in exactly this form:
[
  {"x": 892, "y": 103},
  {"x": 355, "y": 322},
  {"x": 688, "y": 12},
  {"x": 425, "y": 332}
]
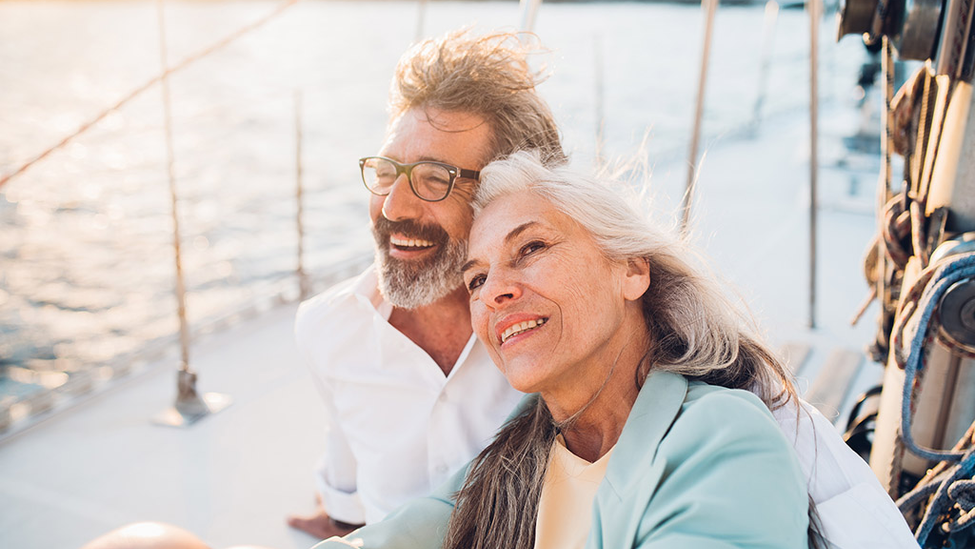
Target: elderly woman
[{"x": 643, "y": 428}]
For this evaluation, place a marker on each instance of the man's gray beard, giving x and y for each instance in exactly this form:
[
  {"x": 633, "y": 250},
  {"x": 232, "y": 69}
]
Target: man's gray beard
[{"x": 409, "y": 285}]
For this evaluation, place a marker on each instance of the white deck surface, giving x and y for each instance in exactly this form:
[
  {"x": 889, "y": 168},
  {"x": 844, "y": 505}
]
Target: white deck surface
[{"x": 232, "y": 478}]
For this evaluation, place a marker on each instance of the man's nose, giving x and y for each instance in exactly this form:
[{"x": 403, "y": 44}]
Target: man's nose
[{"x": 401, "y": 203}]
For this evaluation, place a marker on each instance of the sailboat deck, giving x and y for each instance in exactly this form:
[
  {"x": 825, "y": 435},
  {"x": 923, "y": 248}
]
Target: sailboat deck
[
  {"x": 233, "y": 477},
  {"x": 230, "y": 478}
]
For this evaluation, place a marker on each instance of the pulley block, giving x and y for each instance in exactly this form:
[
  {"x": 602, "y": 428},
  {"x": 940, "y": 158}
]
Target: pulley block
[
  {"x": 918, "y": 29},
  {"x": 957, "y": 313}
]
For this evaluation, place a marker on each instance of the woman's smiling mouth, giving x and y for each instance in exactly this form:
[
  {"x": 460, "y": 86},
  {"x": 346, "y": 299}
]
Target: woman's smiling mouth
[{"x": 520, "y": 328}]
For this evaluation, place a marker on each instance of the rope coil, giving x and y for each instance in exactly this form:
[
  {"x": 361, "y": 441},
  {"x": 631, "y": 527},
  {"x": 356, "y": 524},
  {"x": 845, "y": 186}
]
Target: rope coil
[{"x": 954, "y": 488}]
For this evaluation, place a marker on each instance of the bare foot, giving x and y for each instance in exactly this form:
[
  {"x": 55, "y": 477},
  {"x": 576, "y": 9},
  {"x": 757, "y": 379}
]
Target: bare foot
[{"x": 320, "y": 524}]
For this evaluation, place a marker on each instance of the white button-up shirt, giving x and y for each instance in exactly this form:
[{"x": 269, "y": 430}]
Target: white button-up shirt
[{"x": 397, "y": 426}]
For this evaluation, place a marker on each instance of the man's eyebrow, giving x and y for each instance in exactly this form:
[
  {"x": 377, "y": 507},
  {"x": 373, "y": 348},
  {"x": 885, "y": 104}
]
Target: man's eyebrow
[
  {"x": 508, "y": 238},
  {"x": 424, "y": 158},
  {"x": 431, "y": 159}
]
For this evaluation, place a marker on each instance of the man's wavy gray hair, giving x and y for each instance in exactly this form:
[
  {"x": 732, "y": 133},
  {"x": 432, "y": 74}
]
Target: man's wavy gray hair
[{"x": 486, "y": 75}]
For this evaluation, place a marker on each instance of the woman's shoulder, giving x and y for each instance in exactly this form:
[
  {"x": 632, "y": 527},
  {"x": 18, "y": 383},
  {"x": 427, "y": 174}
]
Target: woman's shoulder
[
  {"x": 715, "y": 419},
  {"x": 703, "y": 398},
  {"x": 725, "y": 471}
]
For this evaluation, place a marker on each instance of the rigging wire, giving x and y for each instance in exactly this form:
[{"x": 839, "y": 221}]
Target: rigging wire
[{"x": 232, "y": 37}]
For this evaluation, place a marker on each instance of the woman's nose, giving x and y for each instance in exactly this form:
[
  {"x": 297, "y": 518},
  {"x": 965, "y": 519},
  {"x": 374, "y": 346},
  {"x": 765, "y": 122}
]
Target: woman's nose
[
  {"x": 401, "y": 203},
  {"x": 501, "y": 289}
]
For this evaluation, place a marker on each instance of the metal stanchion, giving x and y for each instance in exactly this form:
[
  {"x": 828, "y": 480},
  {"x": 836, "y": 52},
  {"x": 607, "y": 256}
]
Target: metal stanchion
[
  {"x": 600, "y": 101},
  {"x": 190, "y": 406},
  {"x": 710, "y": 8},
  {"x": 768, "y": 38},
  {"x": 815, "y": 8},
  {"x": 421, "y": 15},
  {"x": 303, "y": 287},
  {"x": 529, "y": 9}
]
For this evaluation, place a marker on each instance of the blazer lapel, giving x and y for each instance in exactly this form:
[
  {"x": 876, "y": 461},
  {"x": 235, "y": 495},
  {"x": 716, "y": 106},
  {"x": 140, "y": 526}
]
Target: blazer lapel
[{"x": 632, "y": 474}]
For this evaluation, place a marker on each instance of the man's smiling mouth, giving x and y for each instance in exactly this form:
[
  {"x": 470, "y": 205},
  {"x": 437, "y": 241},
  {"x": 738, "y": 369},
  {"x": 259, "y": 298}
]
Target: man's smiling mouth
[
  {"x": 521, "y": 328},
  {"x": 410, "y": 243}
]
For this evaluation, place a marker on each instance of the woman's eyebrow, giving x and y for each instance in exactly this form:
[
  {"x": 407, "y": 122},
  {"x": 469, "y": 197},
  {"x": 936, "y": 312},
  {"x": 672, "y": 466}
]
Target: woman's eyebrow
[
  {"x": 468, "y": 266},
  {"x": 508, "y": 238},
  {"x": 518, "y": 230}
]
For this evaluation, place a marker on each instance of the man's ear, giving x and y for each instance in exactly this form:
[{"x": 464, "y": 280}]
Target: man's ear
[{"x": 637, "y": 278}]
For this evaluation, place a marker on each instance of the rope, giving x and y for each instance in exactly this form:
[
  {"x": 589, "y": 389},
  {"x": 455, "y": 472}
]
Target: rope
[
  {"x": 887, "y": 67},
  {"x": 158, "y": 78},
  {"x": 954, "y": 487}
]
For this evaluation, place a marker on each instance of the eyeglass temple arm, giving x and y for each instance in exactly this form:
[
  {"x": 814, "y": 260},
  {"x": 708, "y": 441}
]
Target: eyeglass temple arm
[{"x": 469, "y": 174}]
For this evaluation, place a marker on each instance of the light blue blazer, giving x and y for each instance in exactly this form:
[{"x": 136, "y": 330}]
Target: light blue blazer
[{"x": 696, "y": 467}]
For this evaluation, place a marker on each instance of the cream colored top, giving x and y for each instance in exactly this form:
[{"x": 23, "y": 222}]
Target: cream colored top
[{"x": 565, "y": 508}]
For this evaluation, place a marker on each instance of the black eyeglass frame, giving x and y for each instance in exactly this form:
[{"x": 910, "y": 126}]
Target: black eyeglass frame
[{"x": 407, "y": 169}]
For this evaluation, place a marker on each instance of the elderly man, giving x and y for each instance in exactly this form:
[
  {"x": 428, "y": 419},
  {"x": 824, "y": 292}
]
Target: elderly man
[{"x": 412, "y": 394}]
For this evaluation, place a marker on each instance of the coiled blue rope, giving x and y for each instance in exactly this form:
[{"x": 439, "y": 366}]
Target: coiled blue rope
[
  {"x": 953, "y": 486},
  {"x": 952, "y": 271}
]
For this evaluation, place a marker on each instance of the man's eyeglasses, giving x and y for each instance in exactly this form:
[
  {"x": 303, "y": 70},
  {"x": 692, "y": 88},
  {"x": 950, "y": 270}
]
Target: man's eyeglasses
[{"x": 429, "y": 180}]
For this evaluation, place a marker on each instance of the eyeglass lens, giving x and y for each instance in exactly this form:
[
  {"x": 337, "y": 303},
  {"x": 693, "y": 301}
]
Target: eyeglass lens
[{"x": 429, "y": 181}]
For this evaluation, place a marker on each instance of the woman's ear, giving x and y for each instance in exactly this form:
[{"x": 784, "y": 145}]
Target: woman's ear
[{"x": 637, "y": 278}]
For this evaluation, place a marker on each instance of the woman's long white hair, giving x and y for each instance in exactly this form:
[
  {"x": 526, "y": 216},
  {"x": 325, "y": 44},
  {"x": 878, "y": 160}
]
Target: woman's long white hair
[{"x": 694, "y": 331}]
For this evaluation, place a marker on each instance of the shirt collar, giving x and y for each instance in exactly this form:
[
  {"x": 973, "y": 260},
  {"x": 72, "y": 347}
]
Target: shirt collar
[{"x": 365, "y": 288}]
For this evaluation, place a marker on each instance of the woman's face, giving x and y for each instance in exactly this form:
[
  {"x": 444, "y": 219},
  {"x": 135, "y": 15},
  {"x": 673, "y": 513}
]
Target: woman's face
[{"x": 549, "y": 306}]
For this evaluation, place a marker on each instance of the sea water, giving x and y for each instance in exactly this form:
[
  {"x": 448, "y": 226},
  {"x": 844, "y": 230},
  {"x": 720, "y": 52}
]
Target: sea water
[{"x": 87, "y": 268}]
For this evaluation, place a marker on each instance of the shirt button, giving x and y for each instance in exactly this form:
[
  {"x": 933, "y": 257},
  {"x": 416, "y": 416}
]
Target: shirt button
[
  {"x": 443, "y": 397},
  {"x": 441, "y": 468}
]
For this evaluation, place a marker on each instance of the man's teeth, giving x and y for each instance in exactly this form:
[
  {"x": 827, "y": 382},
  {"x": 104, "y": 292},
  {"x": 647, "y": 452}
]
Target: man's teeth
[
  {"x": 410, "y": 242},
  {"x": 521, "y": 327}
]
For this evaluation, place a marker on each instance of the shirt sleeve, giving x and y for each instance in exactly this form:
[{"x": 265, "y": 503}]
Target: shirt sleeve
[
  {"x": 419, "y": 524},
  {"x": 335, "y": 474},
  {"x": 731, "y": 480},
  {"x": 335, "y": 478}
]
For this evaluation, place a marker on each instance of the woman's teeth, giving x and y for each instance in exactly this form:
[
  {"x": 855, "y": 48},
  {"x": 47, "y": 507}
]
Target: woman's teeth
[
  {"x": 521, "y": 327},
  {"x": 410, "y": 242}
]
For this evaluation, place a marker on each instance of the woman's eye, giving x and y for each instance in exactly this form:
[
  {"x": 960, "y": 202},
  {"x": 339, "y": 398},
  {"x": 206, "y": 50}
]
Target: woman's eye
[
  {"x": 531, "y": 247},
  {"x": 475, "y": 282}
]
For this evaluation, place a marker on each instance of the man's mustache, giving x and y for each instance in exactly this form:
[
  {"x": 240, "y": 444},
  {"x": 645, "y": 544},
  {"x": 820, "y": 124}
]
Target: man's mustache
[{"x": 383, "y": 227}]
